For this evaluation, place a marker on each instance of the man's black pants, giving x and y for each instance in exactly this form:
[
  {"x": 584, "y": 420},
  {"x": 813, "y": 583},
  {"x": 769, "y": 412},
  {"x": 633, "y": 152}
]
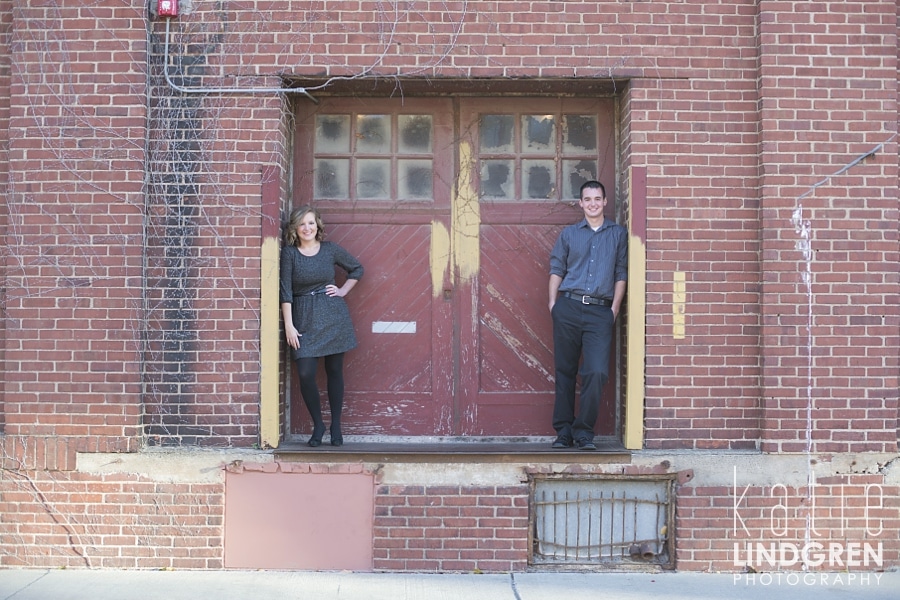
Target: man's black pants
[{"x": 581, "y": 332}]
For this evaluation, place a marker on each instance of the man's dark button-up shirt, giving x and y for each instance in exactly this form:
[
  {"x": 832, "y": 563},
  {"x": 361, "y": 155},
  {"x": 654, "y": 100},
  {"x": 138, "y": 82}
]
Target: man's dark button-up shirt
[{"x": 591, "y": 262}]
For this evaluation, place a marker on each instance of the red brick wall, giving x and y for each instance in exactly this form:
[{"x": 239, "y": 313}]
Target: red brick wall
[
  {"x": 724, "y": 181},
  {"x": 130, "y": 292},
  {"x": 52, "y": 516},
  {"x": 715, "y": 525},
  {"x": 698, "y": 140},
  {"x": 57, "y": 519},
  {"x": 828, "y": 86},
  {"x": 451, "y": 528},
  {"x": 66, "y": 519},
  {"x": 75, "y": 202},
  {"x": 5, "y": 26},
  {"x": 147, "y": 291}
]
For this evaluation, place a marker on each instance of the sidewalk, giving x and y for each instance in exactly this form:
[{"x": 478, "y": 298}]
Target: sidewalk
[{"x": 289, "y": 585}]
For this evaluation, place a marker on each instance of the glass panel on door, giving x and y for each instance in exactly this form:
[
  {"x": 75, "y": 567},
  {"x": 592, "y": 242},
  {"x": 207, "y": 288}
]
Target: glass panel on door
[{"x": 386, "y": 157}]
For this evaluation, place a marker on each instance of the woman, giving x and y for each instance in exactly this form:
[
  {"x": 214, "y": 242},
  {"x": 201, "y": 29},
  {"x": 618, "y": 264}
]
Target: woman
[{"x": 316, "y": 319}]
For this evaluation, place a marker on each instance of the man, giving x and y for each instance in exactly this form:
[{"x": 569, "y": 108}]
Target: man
[{"x": 588, "y": 273}]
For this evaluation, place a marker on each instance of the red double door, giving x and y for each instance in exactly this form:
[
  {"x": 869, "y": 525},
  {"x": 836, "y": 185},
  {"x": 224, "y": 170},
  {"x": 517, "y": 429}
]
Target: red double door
[{"x": 453, "y": 206}]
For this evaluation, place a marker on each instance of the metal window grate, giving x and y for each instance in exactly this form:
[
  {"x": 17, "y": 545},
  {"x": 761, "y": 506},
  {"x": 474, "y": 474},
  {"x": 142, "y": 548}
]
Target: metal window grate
[{"x": 602, "y": 521}]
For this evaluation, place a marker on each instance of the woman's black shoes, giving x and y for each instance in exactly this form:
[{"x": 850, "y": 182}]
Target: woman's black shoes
[{"x": 316, "y": 439}]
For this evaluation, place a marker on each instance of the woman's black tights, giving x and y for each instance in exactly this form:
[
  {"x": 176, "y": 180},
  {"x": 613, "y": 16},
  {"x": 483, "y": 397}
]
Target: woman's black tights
[{"x": 334, "y": 372}]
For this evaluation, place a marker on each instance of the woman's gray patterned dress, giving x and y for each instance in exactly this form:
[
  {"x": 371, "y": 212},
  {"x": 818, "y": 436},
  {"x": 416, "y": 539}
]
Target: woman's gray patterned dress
[{"x": 324, "y": 321}]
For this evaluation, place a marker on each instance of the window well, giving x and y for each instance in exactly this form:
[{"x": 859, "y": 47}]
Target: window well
[{"x": 602, "y": 521}]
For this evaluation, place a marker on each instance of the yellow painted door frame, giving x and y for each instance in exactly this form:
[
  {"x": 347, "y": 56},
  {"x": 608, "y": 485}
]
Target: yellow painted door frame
[
  {"x": 637, "y": 308},
  {"x": 270, "y": 311}
]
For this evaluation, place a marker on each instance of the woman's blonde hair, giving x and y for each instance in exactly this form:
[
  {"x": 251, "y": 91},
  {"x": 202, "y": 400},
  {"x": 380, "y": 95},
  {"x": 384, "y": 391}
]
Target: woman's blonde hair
[{"x": 290, "y": 228}]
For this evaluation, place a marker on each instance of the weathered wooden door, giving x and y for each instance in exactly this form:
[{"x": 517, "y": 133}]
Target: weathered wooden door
[
  {"x": 529, "y": 157},
  {"x": 381, "y": 172},
  {"x": 453, "y": 206}
]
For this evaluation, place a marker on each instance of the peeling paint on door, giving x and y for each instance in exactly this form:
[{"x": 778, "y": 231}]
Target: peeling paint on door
[
  {"x": 466, "y": 218},
  {"x": 517, "y": 347}
]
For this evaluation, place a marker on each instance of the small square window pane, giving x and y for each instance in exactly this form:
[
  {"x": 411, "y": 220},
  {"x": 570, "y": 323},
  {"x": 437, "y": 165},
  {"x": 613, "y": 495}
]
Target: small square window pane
[
  {"x": 332, "y": 134},
  {"x": 497, "y": 179},
  {"x": 373, "y": 178},
  {"x": 415, "y": 134},
  {"x": 538, "y": 134},
  {"x": 415, "y": 179},
  {"x": 539, "y": 179},
  {"x": 575, "y": 173},
  {"x": 332, "y": 176},
  {"x": 579, "y": 133},
  {"x": 373, "y": 134},
  {"x": 496, "y": 134}
]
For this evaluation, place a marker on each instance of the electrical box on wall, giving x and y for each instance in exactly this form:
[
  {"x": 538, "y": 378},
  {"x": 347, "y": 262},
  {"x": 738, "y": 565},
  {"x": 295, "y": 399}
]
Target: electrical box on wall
[{"x": 167, "y": 8}]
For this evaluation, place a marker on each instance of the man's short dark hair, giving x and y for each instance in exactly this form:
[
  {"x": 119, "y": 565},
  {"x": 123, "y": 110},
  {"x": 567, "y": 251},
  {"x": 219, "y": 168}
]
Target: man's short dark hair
[{"x": 591, "y": 184}]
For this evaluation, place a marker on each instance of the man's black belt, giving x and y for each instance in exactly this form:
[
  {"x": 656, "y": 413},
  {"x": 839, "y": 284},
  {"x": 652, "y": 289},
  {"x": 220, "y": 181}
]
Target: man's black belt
[{"x": 588, "y": 299}]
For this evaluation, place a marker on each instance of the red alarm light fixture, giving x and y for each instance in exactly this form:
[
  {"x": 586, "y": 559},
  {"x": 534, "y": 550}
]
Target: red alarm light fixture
[{"x": 167, "y": 8}]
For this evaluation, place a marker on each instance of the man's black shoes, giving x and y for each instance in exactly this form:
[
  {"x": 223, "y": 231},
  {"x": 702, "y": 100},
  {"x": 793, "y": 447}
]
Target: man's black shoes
[
  {"x": 563, "y": 440},
  {"x": 585, "y": 444}
]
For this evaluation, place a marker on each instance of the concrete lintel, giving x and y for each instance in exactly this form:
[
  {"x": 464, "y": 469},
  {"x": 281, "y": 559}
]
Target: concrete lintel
[
  {"x": 173, "y": 465},
  {"x": 713, "y": 468},
  {"x": 709, "y": 468}
]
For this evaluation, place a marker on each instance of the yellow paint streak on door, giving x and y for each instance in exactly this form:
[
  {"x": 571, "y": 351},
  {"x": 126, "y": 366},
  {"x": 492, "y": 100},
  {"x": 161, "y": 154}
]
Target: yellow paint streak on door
[
  {"x": 439, "y": 257},
  {"x": 466, "y": 218}
]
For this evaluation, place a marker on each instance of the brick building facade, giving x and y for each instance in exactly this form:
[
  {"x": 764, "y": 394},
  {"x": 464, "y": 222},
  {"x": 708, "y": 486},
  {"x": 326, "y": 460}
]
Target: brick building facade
[{"x": 148, "y": 162}]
